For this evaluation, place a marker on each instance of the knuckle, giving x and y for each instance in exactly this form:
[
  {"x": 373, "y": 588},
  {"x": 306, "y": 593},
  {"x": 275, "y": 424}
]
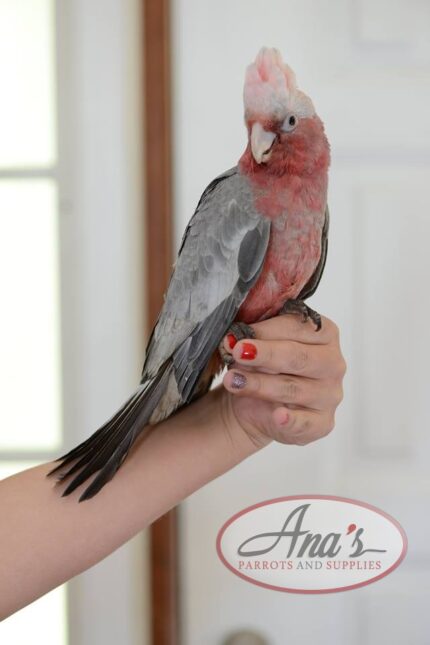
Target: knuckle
[
  {"x": 302, "y": 430},
  {"x": 335, "y": 332},
  {"x": 332, "y": 330},
  {"x": 299, "y": 360},
  {"x": 306, "y": 430},
  {"x": 302, "y": 441},
  {"x": 329, "y": 425},
  {"x": 339, "y": 397},
  {"x": 344, "y": 366},
  {"x": 336, "y": 397},
  {"x": 290, "y": 390},
  {"x": 269, "y": 353},
  {"x": 305, "y": 425},
  {"x": 339, "y": 367}
]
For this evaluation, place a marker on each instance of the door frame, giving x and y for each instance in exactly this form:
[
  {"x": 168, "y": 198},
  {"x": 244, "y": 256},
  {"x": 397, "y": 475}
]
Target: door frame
[{"x": 157, "y": 145}]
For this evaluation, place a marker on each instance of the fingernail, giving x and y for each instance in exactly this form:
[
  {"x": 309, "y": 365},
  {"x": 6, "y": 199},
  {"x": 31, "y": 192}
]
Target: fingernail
[
  {"x": 238, "y": 381},
  {"x": 231, "y": 339},
  {"x": 249, "y": 351}
]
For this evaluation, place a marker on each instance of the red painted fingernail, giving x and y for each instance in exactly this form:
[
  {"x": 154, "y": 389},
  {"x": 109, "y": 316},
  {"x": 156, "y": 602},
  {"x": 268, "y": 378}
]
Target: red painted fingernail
[
  {"x": 231, "y": 339},
  {"x": 249, "y": 351}
]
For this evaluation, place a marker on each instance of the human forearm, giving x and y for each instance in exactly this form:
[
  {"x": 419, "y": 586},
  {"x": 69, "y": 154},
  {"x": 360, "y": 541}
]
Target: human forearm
[
  {"x": 46, "y": 539},
  {"x": 288, "y": 391}
]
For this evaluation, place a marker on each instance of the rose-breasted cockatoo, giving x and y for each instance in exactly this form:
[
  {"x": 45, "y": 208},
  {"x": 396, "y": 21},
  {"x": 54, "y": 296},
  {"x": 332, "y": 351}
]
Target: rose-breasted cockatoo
[{"x": 255, "y": 247}]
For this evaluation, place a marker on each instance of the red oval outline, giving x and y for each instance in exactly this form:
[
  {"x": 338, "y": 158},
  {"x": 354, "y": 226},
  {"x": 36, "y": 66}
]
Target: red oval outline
[{"x": 336, "y": 498}]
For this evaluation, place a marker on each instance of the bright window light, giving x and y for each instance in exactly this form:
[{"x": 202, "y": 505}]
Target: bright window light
[
  {"x": 30, "y": 369},
  {"x": 30, "y": 402},
  {"x": 44, "y": 621},
  {"x": 27, "y": 106}
]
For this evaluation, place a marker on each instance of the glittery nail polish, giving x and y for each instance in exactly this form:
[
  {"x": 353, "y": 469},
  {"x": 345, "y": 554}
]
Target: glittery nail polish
[
  {"x": 249, "y": 351},
  {"x": 239, "y": 381}
]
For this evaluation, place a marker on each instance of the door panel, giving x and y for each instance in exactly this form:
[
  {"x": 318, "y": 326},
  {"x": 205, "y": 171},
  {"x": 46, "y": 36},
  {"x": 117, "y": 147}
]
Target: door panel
[{"x": 366, "y": 65}]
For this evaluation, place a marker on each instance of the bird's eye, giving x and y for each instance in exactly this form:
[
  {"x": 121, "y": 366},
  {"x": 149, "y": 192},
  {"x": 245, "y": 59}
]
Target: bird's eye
[{"x": 289, "y": 123}]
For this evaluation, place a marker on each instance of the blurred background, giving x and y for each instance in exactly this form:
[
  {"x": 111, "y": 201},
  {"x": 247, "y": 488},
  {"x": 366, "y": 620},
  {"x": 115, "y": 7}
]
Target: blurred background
[{"x": 73, "y": 285}]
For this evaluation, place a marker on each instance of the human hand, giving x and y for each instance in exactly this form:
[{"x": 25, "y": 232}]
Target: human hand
[{"x": 287, "y": 383}]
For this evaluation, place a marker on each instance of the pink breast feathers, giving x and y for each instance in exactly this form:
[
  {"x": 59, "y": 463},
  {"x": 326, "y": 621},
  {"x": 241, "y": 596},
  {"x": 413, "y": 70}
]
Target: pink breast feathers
[{"x": 292, "y": 257}]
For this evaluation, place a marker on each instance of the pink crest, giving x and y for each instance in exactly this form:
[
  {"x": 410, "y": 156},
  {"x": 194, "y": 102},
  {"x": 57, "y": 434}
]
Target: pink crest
[{"x": 270, "y": 89}]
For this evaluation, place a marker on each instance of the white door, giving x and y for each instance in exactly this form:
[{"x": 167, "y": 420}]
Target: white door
[{"x": 366, "y": 64}]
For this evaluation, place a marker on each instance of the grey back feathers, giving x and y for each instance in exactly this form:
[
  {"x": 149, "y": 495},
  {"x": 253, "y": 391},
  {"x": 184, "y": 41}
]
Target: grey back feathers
[{"x": 220, "y": 258}]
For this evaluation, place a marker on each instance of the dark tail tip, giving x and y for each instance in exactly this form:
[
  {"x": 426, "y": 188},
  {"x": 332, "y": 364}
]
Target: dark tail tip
[{"x": 103, "y": 453}]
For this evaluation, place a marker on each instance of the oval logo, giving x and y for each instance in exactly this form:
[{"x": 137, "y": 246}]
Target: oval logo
[{"x": 311, "y": 544}]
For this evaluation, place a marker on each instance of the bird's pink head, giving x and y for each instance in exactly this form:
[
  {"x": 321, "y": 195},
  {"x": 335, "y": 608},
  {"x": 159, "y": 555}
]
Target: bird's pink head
[{"x": 285, "y": 133}]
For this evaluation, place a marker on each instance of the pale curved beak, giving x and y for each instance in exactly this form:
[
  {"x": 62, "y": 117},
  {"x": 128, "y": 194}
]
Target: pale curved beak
[{"x": 261, "y": 143}]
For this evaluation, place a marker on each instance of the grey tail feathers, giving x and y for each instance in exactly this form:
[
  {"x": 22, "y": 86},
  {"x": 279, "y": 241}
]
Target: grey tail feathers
[{"x": 107, "y": 448}]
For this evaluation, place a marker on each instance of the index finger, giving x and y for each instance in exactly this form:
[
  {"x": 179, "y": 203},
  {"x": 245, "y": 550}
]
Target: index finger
[{"x": 292, "y": 327}]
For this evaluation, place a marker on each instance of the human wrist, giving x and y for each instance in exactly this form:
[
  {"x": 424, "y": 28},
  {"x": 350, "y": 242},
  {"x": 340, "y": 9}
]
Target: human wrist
[
  {"x": 197, "y": 444},
  {"x": 243, "y": 436},
  {"x": 209, "y": 431}
]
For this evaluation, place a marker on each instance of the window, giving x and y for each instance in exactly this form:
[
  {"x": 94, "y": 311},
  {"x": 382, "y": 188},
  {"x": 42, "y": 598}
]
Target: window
[{"x": 30, "y": 345}]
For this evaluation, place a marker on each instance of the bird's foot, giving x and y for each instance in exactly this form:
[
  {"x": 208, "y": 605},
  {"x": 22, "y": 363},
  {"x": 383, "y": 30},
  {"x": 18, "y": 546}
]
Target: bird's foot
[
  {"x": 238, "y": 331},
  {"x": 300, "y": 307}
]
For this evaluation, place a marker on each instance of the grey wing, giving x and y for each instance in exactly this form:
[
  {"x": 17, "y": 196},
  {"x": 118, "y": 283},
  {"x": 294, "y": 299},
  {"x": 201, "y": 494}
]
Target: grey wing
[
  {"x": 220, "y": 258},
  {"x": 312, "y": 284}
]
